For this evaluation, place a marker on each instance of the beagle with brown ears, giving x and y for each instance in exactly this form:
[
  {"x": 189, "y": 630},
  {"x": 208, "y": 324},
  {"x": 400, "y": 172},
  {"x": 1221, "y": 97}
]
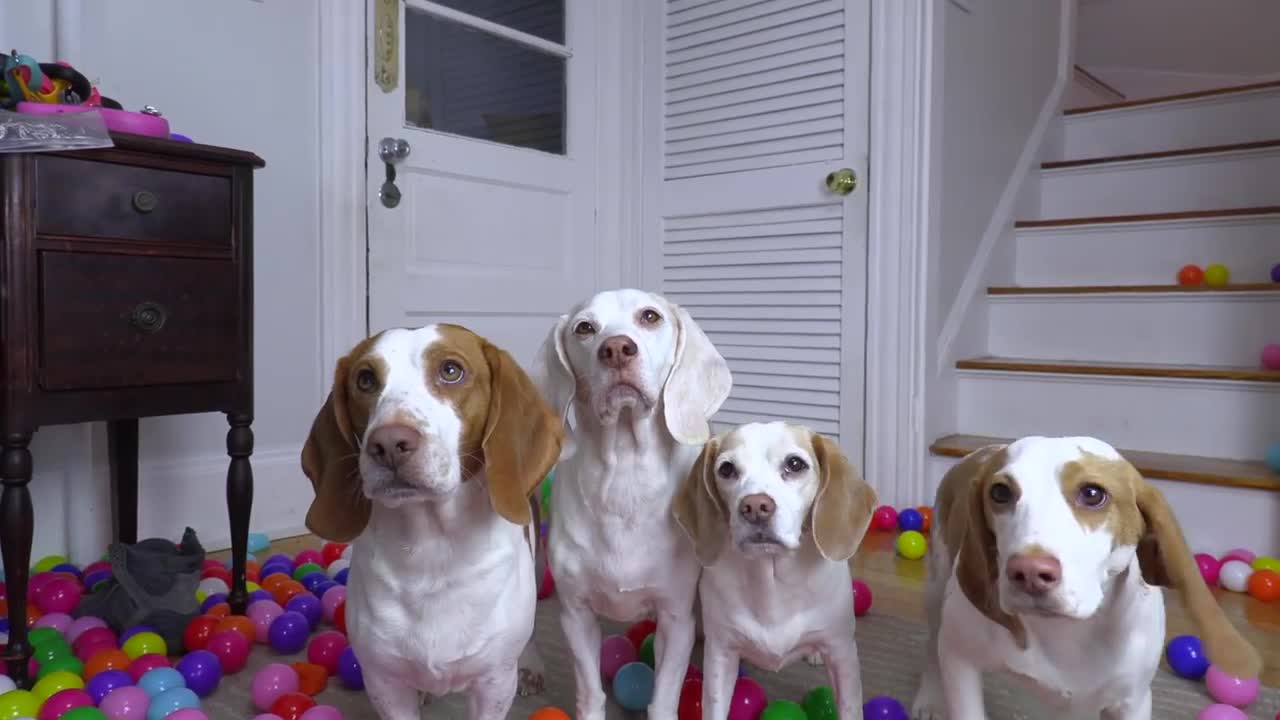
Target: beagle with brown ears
[
  {"x": 1047, "y": 561},
  {"x": 775, "y": 512},
  {"x": 426, "y": 454}
]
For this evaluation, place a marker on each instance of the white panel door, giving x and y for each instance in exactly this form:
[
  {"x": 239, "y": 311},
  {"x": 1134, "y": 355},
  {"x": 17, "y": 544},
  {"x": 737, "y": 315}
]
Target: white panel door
[
  {"x": 494, "y": 229},
  {"x": 760, "y": 102}
]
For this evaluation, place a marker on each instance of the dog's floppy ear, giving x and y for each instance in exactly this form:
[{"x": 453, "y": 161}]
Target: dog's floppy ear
[
  {"x": 698, "y": 384},
  {"x": 554, "y": 377},
  {"x": 697, "y": 508},
  {"x": 330, "y": 460},
  {"x": 843, "y": 506},
  {"x": 1165, "y": 558},
  {"x": 522, "y": 437}
]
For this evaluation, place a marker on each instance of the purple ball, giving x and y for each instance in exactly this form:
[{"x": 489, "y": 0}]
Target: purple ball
[
  {"x": 311, "y": 580},
  {"x": 308, "y": 606},
  {"x": 883, "y": 707},
  {"x": 269, "y": 570},
  {"x": 349, "y": 670},
  {"x": 1275, "y": 273},
  {"x": 260, "y": 594},
  {"x": 201, "y": 670},
  {"x": 280, "y": 558},
  {"x": 106, "y": 681},
  {"x": 96, "y": 577},
  {"x": 288, "y": 633},
  {"x": 341, "y": 577},
  {"x": 324, "y": 587},
  {"x": 4, "y": 625},
  {"x": 135, "y": 630},
  {"x": 209, "y": 602},
  {"x": 66, "y": 568}
]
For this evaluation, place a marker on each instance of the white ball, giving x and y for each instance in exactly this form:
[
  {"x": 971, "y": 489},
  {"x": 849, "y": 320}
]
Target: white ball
[
  {"x": 346, "y": 552},
  {"x": 1234, "y": 575},
  {"x": 337, "y": 566},
  {"x": 211, "y": 585},
  {"x": 6, "y": 683}
]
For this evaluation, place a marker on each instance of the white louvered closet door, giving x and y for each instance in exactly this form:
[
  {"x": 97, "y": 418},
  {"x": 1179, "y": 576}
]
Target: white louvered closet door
[{"x": 761, "y": 100}]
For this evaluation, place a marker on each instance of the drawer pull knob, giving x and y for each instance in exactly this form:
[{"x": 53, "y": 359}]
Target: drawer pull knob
[
  {"x": 149, "y": 317},
  {"x": 144, "y": 201}
]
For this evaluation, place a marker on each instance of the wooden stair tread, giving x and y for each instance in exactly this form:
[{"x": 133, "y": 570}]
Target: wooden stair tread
[
  {"x": 1162, "y": 154},
  {"x": 1152, "y": 217},
  {"x": 1120, "y": 289},
  {"x": 1112, "y": 369},
  {"x": 1229, "y": 90},
  {"x": 1221, "y": 472}
]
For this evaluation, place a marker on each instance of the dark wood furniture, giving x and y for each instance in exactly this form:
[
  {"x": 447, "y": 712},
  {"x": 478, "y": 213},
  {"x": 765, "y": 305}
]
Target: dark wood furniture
[{"x": 127, "y": 292}]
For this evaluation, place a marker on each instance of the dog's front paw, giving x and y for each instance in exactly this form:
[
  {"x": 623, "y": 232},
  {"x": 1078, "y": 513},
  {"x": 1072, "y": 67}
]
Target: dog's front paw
[
  {"x": 814, "y": 659},
  {"x": 531, "y": 682}
]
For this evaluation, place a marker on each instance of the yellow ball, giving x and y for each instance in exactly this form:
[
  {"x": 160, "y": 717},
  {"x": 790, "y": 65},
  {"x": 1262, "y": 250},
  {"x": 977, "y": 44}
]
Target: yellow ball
[
  {"x": 19, "y": 704},
  {"x": 1263, "y": 562},
  {"x": 200, "y": 596},
  {"x": 49, "y": 562},
  {"x": 912, "y": 545},
  {"x": 56, "y": 682},
  {"x": 144, "y": 643},
  {"x": 251, "y": 586},
  {"x": 1216, "y": 275}
]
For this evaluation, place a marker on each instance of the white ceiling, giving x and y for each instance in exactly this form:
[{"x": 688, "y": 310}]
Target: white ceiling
[{"x": 1220, "y": 37}]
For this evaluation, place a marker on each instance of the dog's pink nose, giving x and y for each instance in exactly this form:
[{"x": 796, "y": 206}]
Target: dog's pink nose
[
  {"x": 390, "y": 445},
  {"x": 1035, "y": 575},
  {"x": 617, "y": 352},
  {"x": 757, "y": 508}
]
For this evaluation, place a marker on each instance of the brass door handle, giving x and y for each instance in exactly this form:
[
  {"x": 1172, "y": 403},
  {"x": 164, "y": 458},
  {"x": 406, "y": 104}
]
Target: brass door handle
[{"x": 842, "y": 181}]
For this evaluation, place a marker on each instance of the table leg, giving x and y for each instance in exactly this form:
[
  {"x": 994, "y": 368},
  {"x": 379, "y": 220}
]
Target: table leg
[
  {"x": 122, "y": 441},
  {"x": 239, "y": 503},
  {"x": 17, "y": 525}
]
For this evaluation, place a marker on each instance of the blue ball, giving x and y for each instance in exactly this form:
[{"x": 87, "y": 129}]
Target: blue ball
[
  {"x": 212, "y": 600},
  {"x": 910, "y": 519},
  {"x": 171, "y": 701},
  {"x": 162, "y": 679},
  {"x": 202, "y": 671},
  {"x": 282, "y": 559},
  {"x": 92, "y": 579},
  {"x": 1273, "y": 457},
  {"x": 341, "y": 577},
  {"x": 288, "y": 633},
  {"x": 349, "y": 670},
  {"x": 66, "y": 568},
  {"x": 311, "y": 580},
  {"x": 633, "y": 686},
  {"x": 1186, "y": 657},
  {"x": 4, "y": 625},
  {"x": 883, "y": 707},
  {"x": 106, "y": 681},
  {"x": 258, "y": 542},
  {"x": 324, "y": 587},
  {"x": 309, "y": 607},
  {"x": 260, "y": 594},
  {"x": 1275, "y": 273}
]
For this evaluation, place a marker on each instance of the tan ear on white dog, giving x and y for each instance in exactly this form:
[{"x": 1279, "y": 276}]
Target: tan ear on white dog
[
  {"x": 843, "y": 506},
  {"x": 697, "y": 508},
  {"x": 330, "y": 460},
  {"x": 698, "y": 384}
]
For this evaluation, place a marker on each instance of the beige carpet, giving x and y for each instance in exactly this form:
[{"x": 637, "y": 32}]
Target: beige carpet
[{"x": 891, "y": 650}]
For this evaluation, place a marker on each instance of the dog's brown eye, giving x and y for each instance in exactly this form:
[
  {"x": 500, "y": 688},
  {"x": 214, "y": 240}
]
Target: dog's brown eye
[
  {"x": 1001, "y": 493},
  {"x": 584, "y": 329},
  {"x": 451, "y": 372},
  {"x": 366, "y": 380},
  {"x": 1092, "y": 496},
  {"x": 726, "y": 470},
  {"x": 795, "y": 464},
  {"x": 649, "y": 316}
]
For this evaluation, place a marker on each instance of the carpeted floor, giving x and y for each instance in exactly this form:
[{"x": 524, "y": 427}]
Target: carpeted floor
[{"x": 891, "y": 650}]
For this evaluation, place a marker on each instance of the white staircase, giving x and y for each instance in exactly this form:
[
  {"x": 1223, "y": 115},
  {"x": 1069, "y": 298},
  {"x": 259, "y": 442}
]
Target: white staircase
[{"x": 1093, "y": 336}]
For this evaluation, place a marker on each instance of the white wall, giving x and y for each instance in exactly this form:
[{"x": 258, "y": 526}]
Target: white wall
[{"x": 240, "y": 73}]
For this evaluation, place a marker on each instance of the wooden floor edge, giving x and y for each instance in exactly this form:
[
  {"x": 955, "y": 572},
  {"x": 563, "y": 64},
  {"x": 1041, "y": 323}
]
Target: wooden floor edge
[
  {"x": 1226, "y": 374},
  {"x": 1240, "y": 288},
  {"x": 1258, "y": 211},
  {"x": 1160, "y": 99},
  {"x": 1161, "y": 154}
]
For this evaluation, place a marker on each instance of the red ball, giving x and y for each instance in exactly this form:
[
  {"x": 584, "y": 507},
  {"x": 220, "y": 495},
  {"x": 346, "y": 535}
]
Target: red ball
[
  {"x": 690, "y": 707},
  {"x": 1190, "y": 276},
  {"x": 231, "y": 649},
  {"x": 210, "y": 563},
  {"x": 332, "y": 551},
  {"x": 325, "y": 650},
  {"x": 340, "y": 617},
  {"x": 310, "y": 555},
  {"x": 290, "y": 706},
  {"x": 221, "y": 572},
  {"x": 886, "y": 518},
  {"x": 146, "y": 663},
  {"x": 641, "y": 630},
  {"x": 548, "y": 586},
  {"x": 861, "y": 598}
]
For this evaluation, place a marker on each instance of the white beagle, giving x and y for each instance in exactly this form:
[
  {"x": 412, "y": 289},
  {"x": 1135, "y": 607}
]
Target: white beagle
[
  {"x": 426, "y": 453},
  {"x": 775, "y": 511},
  {"x": 1045, "y": 564},
  {"x": 642, "y": 380}
]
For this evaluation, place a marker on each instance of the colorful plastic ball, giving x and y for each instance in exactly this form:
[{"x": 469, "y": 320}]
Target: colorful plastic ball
[
  {"x": 633, "y": 686},
  {"x": 258, "y": 542},
  {"x": 263, "y": 613},
  {"x": 196, "y": 636},
  {"x": 144, "y": 643},
  {"x": 310, "y": 555},
  {"x": 555, "y": 713},
  {"x": 335, "y": 567},
  {"x": 329, "y": 601},
  {"x": 1242, "y": 554},
  {"x": 66, "y": 567},
  {"x": 290, "y": 706},
  {"x": 106, "y": 659},
  {"x": 331, "y": 552},
  {"x": 820, "y": 704},
  {"x": 266, "y": 716},
  {"x": 883, "y": 707},
  {"x": 349, "y": 670},
  {"x": 162, "y": 679},
  {"x": 51, "y": 650},
  {"x": 171, "y": 701},
  {"x": 783, "y": 710},
  {"x": 911, "y": 545},
  {"x": 288, "y": 633},
  {"x": 64, "y": 663},
  {"x": 1186, "y": 656},
  {"x": 306, "y": 569},
  {"x": 1234, "y": 575},
  {"x": 54, "y": 621},
  {"x": 231, "y": 649},
  {"x": 219, "y": 571},
  {"x": 1190, "y": 276},
  {"x": 326, "y": 648},
  {"x": 341, "y": 576},
  {"x": 271, "y": 682},
  {"x": 647, "y": 651},
  {"x": 749, "y": 700},
  {"x": 885, "y": 518},
  {"x": 308, "y": 607},
  {"x": 7, "y": 684},
  {"x": 1275, "y": 273},
  {"x": 1218, "y": 711},
  {"x": 42, "y": 635},
  {"x": 910, "y": 519},
  {"x": 1265, "y": 562},
  {"x": 62, "y": 701},
  {"x": 926, "y": 516},
  {"x": 187, "y": 714},
  {"x": 126, "y": 703},
  {"x": 282, "y": 559},
  {"x": 861, "y": 598},
  {"x": 1264, "y": 585},
  {"x": 214, "y": 586},
  {"x": 1229, "y": 689},
  {"x": 55, "y": 682},
  {"x": 1217, "y": 275},
  {"x": 19, "y": 704},
  {"x": 1271, "y": 356},
  {"x": 59, "y": 595},
  {"x": 145, "y": 664},
  {"x": 240, "y": 624},
  {"x": 1209, "y": 568},
  {"x": 79, "y": 625},
  {"x": 94, "y": 579},
  {"x": 1273, "y": 457},
  {"x": 48, "y": 562},
  {"x": 690, "y": 705},
  {"x": 315, "y": 580},
  {"x": 136, "y": 629},
  {"x": 261, "y": 594},
  {"x": 615, "y": 651},
  {"x": 312, "y": 679},
  {"x": 104, "y": 682},
  {"x": 547, "y": 587},
  {"x": 340, "y": 617},
  {"x": 84, "y": 713},
  {"x": 322, "y": 712},
  {"x": 201, "y": 670},
  {"x": 641, "y": 630}
]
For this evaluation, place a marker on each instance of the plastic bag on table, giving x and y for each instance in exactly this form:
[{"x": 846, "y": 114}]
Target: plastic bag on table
[{"x": 25, "y": 132}]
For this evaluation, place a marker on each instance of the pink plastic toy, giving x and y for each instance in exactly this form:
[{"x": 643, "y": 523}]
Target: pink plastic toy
[
  {"x": 272, "y": 681},
  {"x": 62, "y": 701},
  {"x": 1209, "y": 567},
  {"x": 320, "y": 712},
  {"x": 749, "y": 700},
  {"x": 1218, "y": 711},
  {"x": 1229, "y": 689},
  {"x": 80, "y": 625},
  {"x": 861, "y": 598},
  {"x": 330, "y": 600},
  {"x": 58, "y": 621},
  {"x": 1271, "y": 356},
  {"x": 125, "y": 121},
  {"x": 325, "y": 649},
  {"x": 126, "y": 703},
  {"x": 885, "y": 518},
  {"x": 1242, "y": 554},
  {"x": 615, "y": 651},
  {"x": 263, "y": 613}
]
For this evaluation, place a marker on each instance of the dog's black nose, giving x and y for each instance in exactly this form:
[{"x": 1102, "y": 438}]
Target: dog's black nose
[{"x": 617, "y": 352}]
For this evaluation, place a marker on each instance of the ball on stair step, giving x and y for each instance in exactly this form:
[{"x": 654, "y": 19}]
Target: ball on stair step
[
  {"x": 1190, "y": 276},
  {"x": 1271, "y": 356},
  {"x": 1273, "y": 457},
  {"x": 1275, "y": 273},
  {"x": 1217, "y": 275}
]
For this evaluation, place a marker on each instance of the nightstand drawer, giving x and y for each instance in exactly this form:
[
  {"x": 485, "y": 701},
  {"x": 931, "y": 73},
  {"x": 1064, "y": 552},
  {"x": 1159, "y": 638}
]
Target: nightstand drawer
[
  {"x": 125, "y": 320},
  {"x": 87, "y": 198}
]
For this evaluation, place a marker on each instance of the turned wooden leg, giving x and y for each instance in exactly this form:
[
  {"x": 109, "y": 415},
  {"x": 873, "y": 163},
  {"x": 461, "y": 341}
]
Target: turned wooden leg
[
  {"x": 17, "y": 525},
  {"x": 239, "y": 503},
  {"x": 122, "y": 441}
]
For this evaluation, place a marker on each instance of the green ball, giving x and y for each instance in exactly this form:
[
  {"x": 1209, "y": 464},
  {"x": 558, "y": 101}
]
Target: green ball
[
  {"x": 51, "y": 650},
  {"x": 306, "y": 569},
  {"x": 646, "y": 650},
  {"x": 820, "y": 704},
  {"x": 545, "y": 502},
  {"x": 49, "y": 562},
  {"x": 66, "y": 663},
  {"x": 777, "y": 710},
  {"x": 41, "y": 636},
  {"x": 84, "y": 713}
]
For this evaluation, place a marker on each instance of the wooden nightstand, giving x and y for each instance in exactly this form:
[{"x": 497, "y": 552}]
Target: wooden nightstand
[{"x": 126, "y": 291}]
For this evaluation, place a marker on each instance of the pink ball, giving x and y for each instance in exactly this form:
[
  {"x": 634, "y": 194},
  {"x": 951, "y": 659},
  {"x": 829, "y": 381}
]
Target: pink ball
[
  {"x": 37, "y": 581},
  {"x": 187, "y": 714},
  {"x": 325, "y": 650},
  {"x": 93, "y": 638},
  {"x": 79, "y": 625},
  {"x": 749, "y": 699},
  {"x": 310, "y": 555},
  {"x": 145, "y": 663},
  {"x": 861, "y": 598},
  {"x": 231, "y": 649},
  {"x": 1209, "y": 567},
  {"x": 59, "y": 595},
  {"x": 263, "y": 613},
  {"x": 615, "y": 651},
  {"x": 1229, "y": 689},
  {"x": 62, "y": 701},
  {"x": 1218, "y": 711},
  {"x": 330, "y": 600},
  {"x": 95, "y": 566},
  {"x": 57, "y": 621},
  {"x": 1241, "y": 554},
  {"x": 272, "y": 681},
  {"x": 210, "y": 564},
  {"x": 885, "y": 518},
  {"x": 321, "y": 712},
  {"x": 1271, "y": 356},
  {"x": 126, "y": 703}
]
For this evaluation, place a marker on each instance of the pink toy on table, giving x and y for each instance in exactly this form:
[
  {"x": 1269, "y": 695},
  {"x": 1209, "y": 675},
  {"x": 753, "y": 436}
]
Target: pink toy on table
[{"x": 125, "y": 121}]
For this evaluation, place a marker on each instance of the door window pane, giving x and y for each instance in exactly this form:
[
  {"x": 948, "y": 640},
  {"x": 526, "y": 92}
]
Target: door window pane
[
  {"x": 544, "y": 18},
  {"x": 466, "y": 82}
]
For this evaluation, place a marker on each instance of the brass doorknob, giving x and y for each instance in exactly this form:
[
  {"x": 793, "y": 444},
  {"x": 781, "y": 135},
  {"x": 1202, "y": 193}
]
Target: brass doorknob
[{"x": 842, "y": 181}]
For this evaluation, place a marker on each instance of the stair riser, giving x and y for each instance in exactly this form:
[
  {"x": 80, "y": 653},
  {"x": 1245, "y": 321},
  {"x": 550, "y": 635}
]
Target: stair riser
[
  {"x": 1200, "y": 329},
  {"x": 1220, "y": 120},
  {"x": 1214, "y": 519},
  {"x": 1146, "y": 253},
  {"x": 1190, "y": 417},
  {"x": 1230, "y": 180}
]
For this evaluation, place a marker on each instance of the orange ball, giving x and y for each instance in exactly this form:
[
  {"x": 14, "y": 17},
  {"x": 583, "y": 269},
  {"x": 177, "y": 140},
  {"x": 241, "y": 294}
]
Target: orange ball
[
  {"x": 33, "y": 614},
  {"x": 240, "y": 624},
  {"x": 549, "y": 713},
  {"x": 926, "y": 515},
  {"x": 104, "y": 660},
  {"x": 271, "y": 582},
  {"x": 220, "y": 610},
  {"x": 1265, "y": 585},
  {"x": 287, "y": 591},
  {"x": 1191, "y": 276},
  {"x": 312, "y": 678}
]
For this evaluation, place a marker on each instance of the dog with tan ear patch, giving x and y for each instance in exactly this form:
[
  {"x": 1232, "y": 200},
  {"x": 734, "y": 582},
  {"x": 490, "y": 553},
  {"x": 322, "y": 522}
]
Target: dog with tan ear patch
[
  {"x": 426, "y": 453},
  {"x": 775, "y": 512},
  {"x": 1047, "y": 560}
]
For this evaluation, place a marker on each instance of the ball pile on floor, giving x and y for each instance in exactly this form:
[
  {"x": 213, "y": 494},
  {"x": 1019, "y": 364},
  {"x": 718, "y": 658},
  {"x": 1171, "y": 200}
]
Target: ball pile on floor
[
  {"x": 1188, "y": 659},
  {"x": 913, "y": 525},
  {"x": 83, "y": 670}
]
